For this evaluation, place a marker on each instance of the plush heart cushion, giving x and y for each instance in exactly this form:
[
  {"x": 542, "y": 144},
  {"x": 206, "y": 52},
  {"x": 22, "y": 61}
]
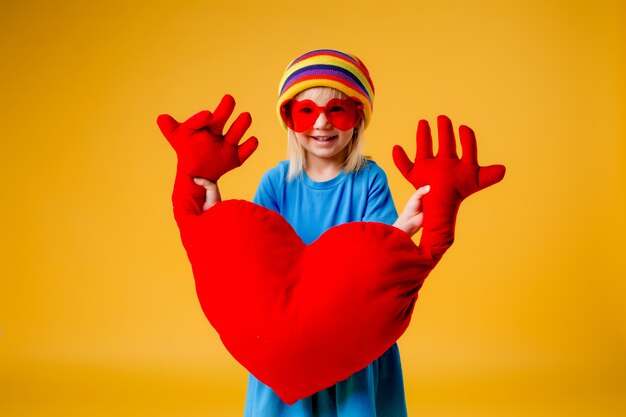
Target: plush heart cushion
[{"x": 302, "y": 317}]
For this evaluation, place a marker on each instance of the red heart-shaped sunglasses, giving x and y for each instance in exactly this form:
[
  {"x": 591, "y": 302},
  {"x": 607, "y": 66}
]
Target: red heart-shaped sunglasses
[{"x": 301, "y": 115}]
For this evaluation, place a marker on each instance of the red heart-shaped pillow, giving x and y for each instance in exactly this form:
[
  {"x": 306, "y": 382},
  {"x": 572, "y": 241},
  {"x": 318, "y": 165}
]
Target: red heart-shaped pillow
[{"x": 302, "y": 317}]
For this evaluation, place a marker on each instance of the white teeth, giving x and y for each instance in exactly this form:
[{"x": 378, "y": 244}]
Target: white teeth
[{"x": 323, "y": 138}]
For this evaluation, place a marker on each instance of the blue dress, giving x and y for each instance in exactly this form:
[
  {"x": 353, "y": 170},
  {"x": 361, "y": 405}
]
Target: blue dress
[{"x": 311, "y": 208}]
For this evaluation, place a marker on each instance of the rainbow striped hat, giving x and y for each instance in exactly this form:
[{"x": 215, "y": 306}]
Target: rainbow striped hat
[{"x": 328, "y": 68}]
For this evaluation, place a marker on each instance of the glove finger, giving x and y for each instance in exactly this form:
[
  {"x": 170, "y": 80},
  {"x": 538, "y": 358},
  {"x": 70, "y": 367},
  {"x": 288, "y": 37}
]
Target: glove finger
[
  {"x": 424, "y": 141},
  {"x": 468, "y": 144},
  {"x": 488, "y": 176},
  {"x": 402, "y": 161},
  {"x": 222, "y": 113},
  {"x": 238, "y": 129},
  {"x": 247, "y": 148},
  {"x": 199, "y": 120},
  {"x": 167, "y": 124},
  {"x": 445, "y": 133}
]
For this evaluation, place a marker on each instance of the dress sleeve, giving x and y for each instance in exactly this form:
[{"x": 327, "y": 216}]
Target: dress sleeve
[{"x": 379, "y": 207}]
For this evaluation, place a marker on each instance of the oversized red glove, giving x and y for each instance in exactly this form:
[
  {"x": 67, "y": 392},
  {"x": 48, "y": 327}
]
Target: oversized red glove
[
  {"x": 204, "y": 151},
  {"x": 451, "y": 179}
]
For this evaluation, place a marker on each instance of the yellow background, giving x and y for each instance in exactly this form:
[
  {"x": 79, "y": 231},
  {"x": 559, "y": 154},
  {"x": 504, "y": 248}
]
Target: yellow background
[{"x": 525, "y": 316}]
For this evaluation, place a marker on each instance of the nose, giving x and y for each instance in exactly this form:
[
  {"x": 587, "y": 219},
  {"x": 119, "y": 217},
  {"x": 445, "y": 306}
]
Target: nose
[{"x": 322, "y": 122}]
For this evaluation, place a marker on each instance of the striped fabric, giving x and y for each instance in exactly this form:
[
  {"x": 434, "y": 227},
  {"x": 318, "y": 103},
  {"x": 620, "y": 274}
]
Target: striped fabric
[{"x": 328, "y": 68}]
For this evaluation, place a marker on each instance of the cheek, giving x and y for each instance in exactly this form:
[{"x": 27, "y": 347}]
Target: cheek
[
  {"x": 348, "y": 135},
  {"x": 303, "y": 140},
  {"x": 300, "y": 138}
]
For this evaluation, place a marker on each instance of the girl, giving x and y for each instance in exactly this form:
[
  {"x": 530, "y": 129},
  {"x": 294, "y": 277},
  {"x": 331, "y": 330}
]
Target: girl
[{"x": 325, "y": 102}]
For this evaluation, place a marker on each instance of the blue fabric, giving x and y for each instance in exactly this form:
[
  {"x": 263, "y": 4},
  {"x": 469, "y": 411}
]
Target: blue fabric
[{"x": 311, "y": 208}]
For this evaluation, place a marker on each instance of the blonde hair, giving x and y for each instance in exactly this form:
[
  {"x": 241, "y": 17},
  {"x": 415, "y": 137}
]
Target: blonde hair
[{"x": 296, "y": 154}]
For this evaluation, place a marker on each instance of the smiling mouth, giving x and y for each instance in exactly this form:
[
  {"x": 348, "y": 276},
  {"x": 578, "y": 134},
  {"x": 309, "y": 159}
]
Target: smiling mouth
[{"x": 324, "y": 138}]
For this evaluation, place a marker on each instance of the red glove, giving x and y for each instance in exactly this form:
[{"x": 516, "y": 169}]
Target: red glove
[
  {"x": 204, "y": 151},
  {"x": 451, "y": 179}
]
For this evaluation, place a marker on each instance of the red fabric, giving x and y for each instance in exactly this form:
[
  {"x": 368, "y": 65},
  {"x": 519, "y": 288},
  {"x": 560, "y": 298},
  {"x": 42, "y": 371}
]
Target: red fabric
[
  {"x": 451, "y": 179},
  {"x": 202, "y": 149},
  {"x": 302, "y": 318}
]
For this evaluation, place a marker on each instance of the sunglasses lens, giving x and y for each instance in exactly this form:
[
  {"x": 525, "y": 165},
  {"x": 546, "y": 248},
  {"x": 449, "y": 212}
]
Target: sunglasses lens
[
  {"x": 304, "y": 114},
  {"x": 343, "y": 113}
]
